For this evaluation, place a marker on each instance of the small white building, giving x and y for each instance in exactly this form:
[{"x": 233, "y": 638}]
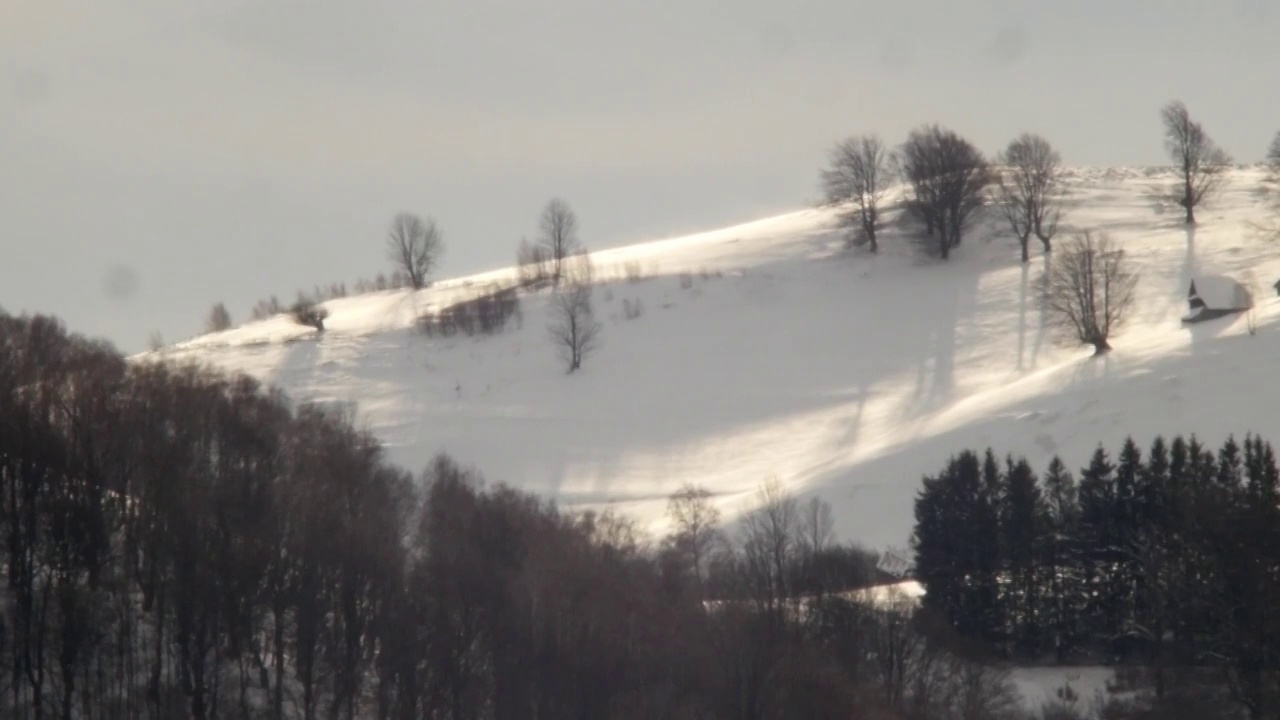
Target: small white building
[{"x": 1213, "y": 296}]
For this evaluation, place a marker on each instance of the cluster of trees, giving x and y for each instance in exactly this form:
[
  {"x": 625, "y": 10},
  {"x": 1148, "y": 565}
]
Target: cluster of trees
[
  {"x": 184, "y": 544},
  {"x": 1172, "y": 560},
  {"x": 486, "y": 314},
  {"x": 949, "y": 182}
]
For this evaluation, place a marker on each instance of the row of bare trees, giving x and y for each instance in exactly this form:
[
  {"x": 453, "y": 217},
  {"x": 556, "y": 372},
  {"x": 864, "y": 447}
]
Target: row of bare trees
[{"x": 948, "y": 182}]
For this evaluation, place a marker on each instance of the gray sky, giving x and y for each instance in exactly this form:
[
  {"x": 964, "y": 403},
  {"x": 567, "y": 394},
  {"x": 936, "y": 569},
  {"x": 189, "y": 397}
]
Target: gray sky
[{"x": 158, "y": 156}]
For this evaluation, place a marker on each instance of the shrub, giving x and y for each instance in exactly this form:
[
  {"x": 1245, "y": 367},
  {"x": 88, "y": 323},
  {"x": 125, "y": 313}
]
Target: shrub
[
  {"x": 632, "y": 309},
  {"x": 487, "y": 314},
  {"x": 633, "y": 270},
  {"x": 686, "y": 280},
  {"x": 306, "y": 312},
  {"x": 219, "y": 319},
  {"x": 267, "y": 308}
]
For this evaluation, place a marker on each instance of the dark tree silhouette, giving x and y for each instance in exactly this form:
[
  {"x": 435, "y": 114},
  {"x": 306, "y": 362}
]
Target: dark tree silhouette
[
  {"x": 948, "y": 178},
  {"x": 858, "y": 174},
  {"x": 414, "y": 247},
  {"x": 559, "y": 236},
  {"x": 219, "y": 319},
  {"x": 1198, "y": 160},
  {"x": 1090, "y": 289},
  {"x": 574, "y": 329},
  {"x": 1029, "y": 189}
]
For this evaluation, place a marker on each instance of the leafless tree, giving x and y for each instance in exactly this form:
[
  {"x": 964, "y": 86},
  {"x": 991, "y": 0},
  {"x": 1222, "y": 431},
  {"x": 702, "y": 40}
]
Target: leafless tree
[
  {"x": 695, "y": 527},
  {"x": 769, "y": 543},
  {"x": 532, "y": 264},
  {"x": 1199, "y": 161},
  {"x": 1272, "y": 160},
  {"x": 219, "y": 319},
  {"x": 414, "y": 246},
  {"x": 949, "y": 180},
  {"x": 1090, "y": 288},
  {"x": 1028, "y": 185},
  {"x": 559, "y": 239},
  {"x": 859, "y": 173},
  {"x": 817, "y": 526},
  {"x": 574, "y": 329}
]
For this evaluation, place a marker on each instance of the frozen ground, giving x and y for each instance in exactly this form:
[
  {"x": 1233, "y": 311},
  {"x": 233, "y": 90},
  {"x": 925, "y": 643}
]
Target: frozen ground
[{"x": 781, "y": 354}]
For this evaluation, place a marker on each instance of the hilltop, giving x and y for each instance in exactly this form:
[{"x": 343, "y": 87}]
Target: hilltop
[{"x": 769, "y": 350}]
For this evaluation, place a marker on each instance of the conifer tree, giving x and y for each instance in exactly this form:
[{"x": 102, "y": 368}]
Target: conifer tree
[
  {"x": 1022, "y": 520},
  {"x": 1061, "y": 557}
]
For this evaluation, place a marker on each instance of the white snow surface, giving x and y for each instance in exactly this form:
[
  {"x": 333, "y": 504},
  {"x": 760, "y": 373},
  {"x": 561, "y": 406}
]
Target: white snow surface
[{"x": 842, "y": 374}]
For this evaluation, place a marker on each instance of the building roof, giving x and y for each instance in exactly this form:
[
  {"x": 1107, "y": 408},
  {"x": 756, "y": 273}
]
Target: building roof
[{"x": 1219, "y": 292}]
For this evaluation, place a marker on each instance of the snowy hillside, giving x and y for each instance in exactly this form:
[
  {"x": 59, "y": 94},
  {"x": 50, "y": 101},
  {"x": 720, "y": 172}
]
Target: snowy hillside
[{"x": 781, "y": 354}]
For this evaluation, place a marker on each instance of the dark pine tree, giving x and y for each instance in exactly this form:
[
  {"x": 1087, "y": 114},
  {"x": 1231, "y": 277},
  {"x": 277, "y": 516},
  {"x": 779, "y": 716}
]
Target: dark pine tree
[
  {"x": 1097, "y": 503},
  {"x": 984, "y": 539},
  {"x": 1022, "y": 524},
  {"x": 1060, "y": 559}
]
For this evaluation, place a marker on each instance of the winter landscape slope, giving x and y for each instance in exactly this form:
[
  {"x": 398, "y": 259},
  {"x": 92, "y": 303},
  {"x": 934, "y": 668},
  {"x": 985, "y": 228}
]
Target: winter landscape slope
[{"x": 767, "y": 350}]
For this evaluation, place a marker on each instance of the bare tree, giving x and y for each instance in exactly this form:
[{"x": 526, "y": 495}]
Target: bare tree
[
  {"x": 1029, "y": 189},
  {"x": 1272, "y": 160},
  {"x": 859, "y": 173},
  {"x": 695, "y": 527},
  {"x": 219, "y": 319},
  {"x": 532, "y": 263},
  {"x": 1090, "y": 289},
  {"x": 948, "y": 178},
  {"x": 769, "y": 543},
  {"x": 559, "y": 240},
  {"x": 414, "y": 246},
  {"x": 574, "y": 329},
  {"x": 1198, "y": 159},
  {"x": 817, "y": 526}
]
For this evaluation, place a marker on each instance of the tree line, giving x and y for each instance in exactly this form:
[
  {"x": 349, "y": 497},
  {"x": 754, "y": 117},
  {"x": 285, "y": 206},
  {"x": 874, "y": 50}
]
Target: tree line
[
  {"x": 949, "y": 182},
  {"x": 1170, "y": 561},
  {"x": 182, "y": 543}
]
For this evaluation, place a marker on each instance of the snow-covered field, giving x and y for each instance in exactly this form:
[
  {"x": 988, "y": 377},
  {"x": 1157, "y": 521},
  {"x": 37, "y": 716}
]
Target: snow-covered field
[{"x": 782, "y": 354}]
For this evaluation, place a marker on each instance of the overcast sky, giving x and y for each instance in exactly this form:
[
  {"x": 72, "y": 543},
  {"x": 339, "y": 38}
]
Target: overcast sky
[{"x": 159, "y": 156}]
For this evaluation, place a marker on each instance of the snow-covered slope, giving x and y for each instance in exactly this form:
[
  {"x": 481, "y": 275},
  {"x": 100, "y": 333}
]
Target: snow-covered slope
[{"x": 781, "y": 354}]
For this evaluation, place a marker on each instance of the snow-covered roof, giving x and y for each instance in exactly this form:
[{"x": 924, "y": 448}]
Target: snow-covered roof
[{"x": 1219, "y": 292}]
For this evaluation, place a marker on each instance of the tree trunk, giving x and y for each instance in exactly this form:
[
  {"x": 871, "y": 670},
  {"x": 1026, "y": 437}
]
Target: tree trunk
[
  {"x": 1101, "y": 346},
  {"x": 1026, "y": 257}
]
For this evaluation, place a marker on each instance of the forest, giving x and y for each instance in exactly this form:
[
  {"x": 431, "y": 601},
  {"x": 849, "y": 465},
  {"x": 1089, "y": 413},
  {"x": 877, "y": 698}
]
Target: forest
[
  {"x": 179, "y": 543},
  {"x": 1168, "y": 563}
]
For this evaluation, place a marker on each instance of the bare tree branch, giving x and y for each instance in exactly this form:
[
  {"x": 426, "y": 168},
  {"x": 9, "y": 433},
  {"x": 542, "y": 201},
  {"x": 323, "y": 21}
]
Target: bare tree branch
[
  {"x": 1199, "y": 160},
  {"x": 1029, "y": 189},
  {"x": 414, "y": 246},
  {"x": 1090, "y": 289},
  {"x": 859, "y": 173}
]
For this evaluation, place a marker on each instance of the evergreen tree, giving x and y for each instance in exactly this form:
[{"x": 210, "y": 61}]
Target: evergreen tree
[
  {"x": 1097, "y": 502},
  {"x": 944, "y": 560},
  {"x": 1126, "y": 539},
  {"x": 1061, "y": 601},
  {"x": 984, "y": 537},
  {"x": 1022, "y": 520}
]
